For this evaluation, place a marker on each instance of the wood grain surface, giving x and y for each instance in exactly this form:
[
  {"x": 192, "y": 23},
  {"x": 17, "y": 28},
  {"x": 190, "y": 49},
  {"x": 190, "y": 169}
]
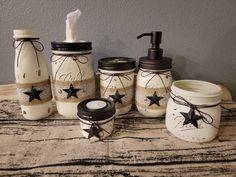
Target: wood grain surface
[{"x": 139, "y": 146}]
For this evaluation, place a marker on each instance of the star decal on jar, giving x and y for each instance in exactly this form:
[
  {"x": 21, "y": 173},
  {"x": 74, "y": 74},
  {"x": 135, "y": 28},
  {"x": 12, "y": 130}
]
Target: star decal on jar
[
  {"x": 34, "y": 94},
  {"x": 117, "y": 97},
  {"x": 94, "y": 130},
  {"x": 154, "y": 99},
  {"x": 71, "y": 91},
  {"x": 191, "y": 118}
]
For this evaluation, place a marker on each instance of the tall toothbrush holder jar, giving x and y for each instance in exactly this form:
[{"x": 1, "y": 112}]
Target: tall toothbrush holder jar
[
  {"x": 73, "y": 75},
  {"x": 117, "y": 81},
  {"x": 193, "y": 111}
]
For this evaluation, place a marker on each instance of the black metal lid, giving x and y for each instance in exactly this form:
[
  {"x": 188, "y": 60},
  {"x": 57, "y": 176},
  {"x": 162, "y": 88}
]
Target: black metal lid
[
  {"x": 96, "y": 112},
  {"x": 71, "y": 46},
  {"x": 116, "y": 63},
  {"x": 163, "y": 64}
]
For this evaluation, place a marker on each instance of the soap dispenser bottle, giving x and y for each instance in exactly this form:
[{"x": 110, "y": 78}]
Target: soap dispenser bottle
[{"x": 153, "y": 79}]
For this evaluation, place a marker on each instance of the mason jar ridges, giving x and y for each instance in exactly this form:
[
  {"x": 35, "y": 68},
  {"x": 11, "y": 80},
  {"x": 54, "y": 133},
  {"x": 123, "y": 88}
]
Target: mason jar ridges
[{"x": 116, "y": 81}]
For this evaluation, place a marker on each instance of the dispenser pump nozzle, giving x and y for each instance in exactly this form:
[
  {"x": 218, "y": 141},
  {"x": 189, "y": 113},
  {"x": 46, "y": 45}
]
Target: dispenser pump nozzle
[{"x": 155, "y": 52}]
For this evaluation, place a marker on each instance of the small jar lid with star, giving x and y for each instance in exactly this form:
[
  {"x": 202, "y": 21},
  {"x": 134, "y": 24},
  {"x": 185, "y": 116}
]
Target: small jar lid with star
[{"x": 96, "y": 117}]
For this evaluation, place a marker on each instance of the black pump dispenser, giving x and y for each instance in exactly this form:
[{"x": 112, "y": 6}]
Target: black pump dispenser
[
  {"x": 155, "y": 52},
  {"x": 155, "y": 59}
]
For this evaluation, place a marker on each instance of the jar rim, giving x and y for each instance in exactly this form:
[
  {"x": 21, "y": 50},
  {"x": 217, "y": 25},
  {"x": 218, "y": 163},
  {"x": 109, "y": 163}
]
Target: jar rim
[
  {"x": 116, "y": 63},
  {"x": 96, "y": 114},
  {"x": 103, "y": 71},
  {"x": 71, "y": 46},
  {"x": 196, "y": 88}
]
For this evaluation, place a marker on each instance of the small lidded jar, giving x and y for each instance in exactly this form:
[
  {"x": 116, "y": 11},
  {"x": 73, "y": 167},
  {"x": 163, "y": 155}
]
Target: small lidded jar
[
  {"x": 96, "y": 117},
  {"x": 193, "y": 111},
  {"x": 117, "y": 81},
  {"x": 73, "y": 75}
]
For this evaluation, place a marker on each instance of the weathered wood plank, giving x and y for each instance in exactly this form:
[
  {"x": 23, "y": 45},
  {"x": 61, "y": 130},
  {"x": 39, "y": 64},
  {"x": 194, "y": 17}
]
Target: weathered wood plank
[
  {"x": 8, "y": 91},
  {"x": 74, "y": 169},
  {"x": 139, "y": 146}
]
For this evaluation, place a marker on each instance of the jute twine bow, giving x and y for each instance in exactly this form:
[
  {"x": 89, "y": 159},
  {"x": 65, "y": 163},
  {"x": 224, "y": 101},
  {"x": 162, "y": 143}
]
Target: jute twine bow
[
  {"x": 34, "y": 42},
  {"x": 196, "y": 108},
  {"x": 119, "y": 76},
  {"x": 145, "y": 73}
]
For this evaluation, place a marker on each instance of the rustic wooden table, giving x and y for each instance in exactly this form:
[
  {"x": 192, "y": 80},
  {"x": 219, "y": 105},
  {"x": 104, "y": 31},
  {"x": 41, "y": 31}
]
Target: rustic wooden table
[{"x": 139, "y": 146}]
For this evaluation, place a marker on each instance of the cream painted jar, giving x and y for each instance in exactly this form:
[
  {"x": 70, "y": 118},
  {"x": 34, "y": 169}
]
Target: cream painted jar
[
  {"x": 117, "y": 81},
  {"x": 31, "y": 74},
  {"x": 73, "y": 75},
  {"x": 193, "y": 111},
  {"x": 96, "y": 118},
  {"x": 153, "y": 86}
]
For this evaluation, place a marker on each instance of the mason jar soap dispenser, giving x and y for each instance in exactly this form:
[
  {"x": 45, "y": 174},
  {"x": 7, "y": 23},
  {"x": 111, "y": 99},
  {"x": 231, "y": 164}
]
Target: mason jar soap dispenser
[{"x": 153, "y": 79}]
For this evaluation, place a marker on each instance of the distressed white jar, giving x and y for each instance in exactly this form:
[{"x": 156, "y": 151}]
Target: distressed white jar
[
  {"x": 96, "y": 118},
  {"x": 152, "y": 91},
  {"x": 31, "y": 74},
  {"x": 117, "y": 82},
  {"x": 193, "y": 112},
  {"x": 73, "y": 75}
]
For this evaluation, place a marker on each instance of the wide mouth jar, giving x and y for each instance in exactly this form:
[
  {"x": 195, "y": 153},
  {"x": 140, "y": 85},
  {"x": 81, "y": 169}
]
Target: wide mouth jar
[{"x": 81, "y": 47}]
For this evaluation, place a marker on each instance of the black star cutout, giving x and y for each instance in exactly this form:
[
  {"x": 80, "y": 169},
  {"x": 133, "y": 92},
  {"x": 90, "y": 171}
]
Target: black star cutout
[
  {"x": 154, "y": 99},
  {"x": 71, "y": 91},
  {"x": 191, "y": 117},
  {"x": 117, "y": 97},
  {"x": 34, "y": 94},
  {"x": 93, "y": 131}
]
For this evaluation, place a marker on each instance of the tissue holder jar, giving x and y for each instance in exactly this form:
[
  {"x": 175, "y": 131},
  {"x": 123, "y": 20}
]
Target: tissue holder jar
[
  {"x": 96, "y": 118},
  {"x": 193, "y": 112},
  {"x": 73, "y": 75}
]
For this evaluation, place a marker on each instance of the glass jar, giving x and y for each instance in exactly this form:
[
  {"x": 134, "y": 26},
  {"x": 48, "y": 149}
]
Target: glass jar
[
  {"x": 153, "y": 86},
  {"x": 193, "y": 111},
  {"x": 117, "y": 81},
  {"x": 96, "y": 118},
  {"x": 31, "y": 74},
  {"x": 73, "y": 75}
]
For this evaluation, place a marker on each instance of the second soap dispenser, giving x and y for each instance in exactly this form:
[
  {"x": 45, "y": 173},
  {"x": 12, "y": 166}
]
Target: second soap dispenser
[{"x": 154, "y": 79}]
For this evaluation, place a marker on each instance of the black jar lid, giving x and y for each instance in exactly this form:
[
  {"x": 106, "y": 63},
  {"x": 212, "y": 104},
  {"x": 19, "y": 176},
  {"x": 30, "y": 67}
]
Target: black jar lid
[
  {"x": 151, "y": 64},
  {"x": 71, "y": 46},
  {"x": 96, "y": 109},
  {"x": 116, "y": 63}
]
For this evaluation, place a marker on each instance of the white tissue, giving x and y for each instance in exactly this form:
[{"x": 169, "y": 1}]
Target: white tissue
[{"x": 72, "y": 26}]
